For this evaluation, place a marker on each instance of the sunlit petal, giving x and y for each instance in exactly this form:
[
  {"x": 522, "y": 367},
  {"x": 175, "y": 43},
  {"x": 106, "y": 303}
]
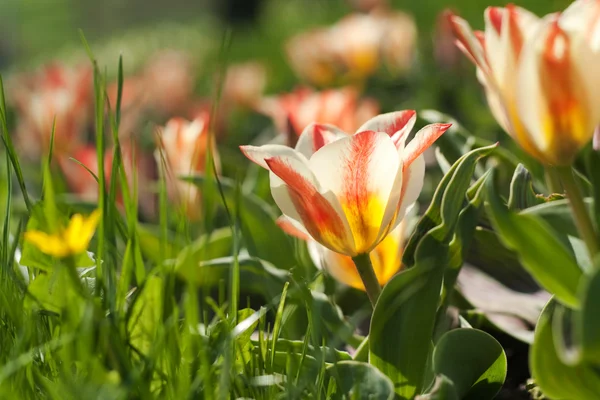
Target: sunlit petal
[
  {"x": 396, "y": 124},
  {"x": 360, "y": 171}
]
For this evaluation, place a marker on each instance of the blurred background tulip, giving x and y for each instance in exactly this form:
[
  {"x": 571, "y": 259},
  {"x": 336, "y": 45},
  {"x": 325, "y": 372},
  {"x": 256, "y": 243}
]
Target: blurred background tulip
[{"x": 184, "y": 146}]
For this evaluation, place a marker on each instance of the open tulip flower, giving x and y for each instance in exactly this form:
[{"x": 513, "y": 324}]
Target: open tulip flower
[
  {"x": 292, "y": 112},
  {"x": 540, "y": 75},
  {"x": 347, "y": 192}
]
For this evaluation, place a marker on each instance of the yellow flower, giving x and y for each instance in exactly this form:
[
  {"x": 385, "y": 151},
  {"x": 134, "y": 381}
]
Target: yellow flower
[{"x": 66, "y": 242}]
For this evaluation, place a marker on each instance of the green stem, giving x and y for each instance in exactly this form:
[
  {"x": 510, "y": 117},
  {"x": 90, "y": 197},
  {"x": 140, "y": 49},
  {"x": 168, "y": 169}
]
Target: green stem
[
  {"x": 368, "y": 277},
  {"x": 71, "y": 268},
  {"x": 553, "y": 181},
  {"x": 582, "y": 218}
]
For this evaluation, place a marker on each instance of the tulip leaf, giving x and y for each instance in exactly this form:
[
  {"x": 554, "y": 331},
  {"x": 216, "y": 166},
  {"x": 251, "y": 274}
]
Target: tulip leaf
[
  {"x": 593, "y": 166},
  {"x": 262, "y": 237},
  {"x": 443, "y": 389},
  {"x": 146, "y": 314},
  {"x": 407, "y": 307},
  {"x": 473, "y": 361},
  {"x": 361, "y": 381},
  {"x": 258, "y": 276},
  {"x": 555, "y": 378},
  {"x": 465, "y": 231},
  {"x": 406, "y": 312},
  {"x": 566, "y": 338},
  {"x": 522, "y": 195},
  {"x": 558, "y": 214},
  {"x": 446, "y": 203},
  {"x": 589, "y": 323},
  {"x": 543, "y": 255}
]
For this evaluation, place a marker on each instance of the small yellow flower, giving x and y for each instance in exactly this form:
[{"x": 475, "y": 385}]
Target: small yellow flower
[{"x": 70, "y": 241}]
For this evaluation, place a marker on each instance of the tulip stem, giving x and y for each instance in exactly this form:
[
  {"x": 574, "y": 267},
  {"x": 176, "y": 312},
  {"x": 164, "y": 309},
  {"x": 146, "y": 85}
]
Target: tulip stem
[
  {"x": 580, "y": 212},
  {"x": 368, "y": 277}
]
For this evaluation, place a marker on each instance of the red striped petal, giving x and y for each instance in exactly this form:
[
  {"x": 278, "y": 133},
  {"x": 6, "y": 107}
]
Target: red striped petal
[
  {"x": 422, "y": 141},
  {"x": 396, "y": 124},
  {"x": 318, "y": 216},
  {"x": 291, "y": 229}
]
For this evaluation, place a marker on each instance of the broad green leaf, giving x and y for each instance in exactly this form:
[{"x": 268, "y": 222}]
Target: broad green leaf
[
  {"x": 473, "y": 360},
  {"x": 207, "y": 247},
  {"x": 360, "y": 381},
  {"x": 443, "y": 389},
  {"x": 256, "y": 275},
  {"x": 400, "y": 338},
  {"x": 556, "y": 379},
  {"x": 262, "y": 237},
  {"x": 150, "y": 244},
  {"x": 558, "y": 214},
  {"x": 146, "y": 314},
  {"x": 540, "y": 251},
  {"x": 588, "y": 319}
]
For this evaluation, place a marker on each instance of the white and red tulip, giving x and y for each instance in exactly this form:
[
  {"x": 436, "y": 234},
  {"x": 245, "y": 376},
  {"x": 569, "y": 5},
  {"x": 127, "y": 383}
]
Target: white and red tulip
[
  {"x": 540, "y": 75},
  {"x": 137, "y": 166},
  {"x": 184, "y": 146},
  {"x": 292, "y": 112},
  {"x": 244, "y": 83},
  {"x": 354, "y": 48},
  {"x": 386, "y": 257},
  {"x": 56, "y": 93},
  {"x": 347, "y": 192}
]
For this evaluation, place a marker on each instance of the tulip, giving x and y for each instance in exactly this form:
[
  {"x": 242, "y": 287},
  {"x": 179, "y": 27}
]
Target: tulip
[
  {"x": 347, "y": 192},
  {"x": 136, "y": 165},
  {"x": 354, "y": 48},
  {"x": 70, "y": 241},
  {"x": 184, "y": 145},
  {"x": 540, "y": 75},
  {"x": 55, "y": 94},
  {"x": 169, "y": 78},
  {"x": 244, "y": 83},
  {"x": 386, "y": 257},
  {"x": 292, "y": 112}
]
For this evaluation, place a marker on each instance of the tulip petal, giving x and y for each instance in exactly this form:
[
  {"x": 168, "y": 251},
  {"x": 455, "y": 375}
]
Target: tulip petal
[
  {"x": 293, "y": 228},
  {"x": 422, "y": 141},
  {"x": 396, "y": 124},
  {"x": 583, "y": 16},
  {"x": 468, "y": 42},
  {"x": 316, "y": 136},
  {"x": 320, "y": 213},
  {"x": 386, "y": 259},
  {"x": 506, "y": 31},
  {"x": 360, "y": 171},
  {"x": 258, "y": 154},
  {"x": 413, "y": 178},
  {"x": 555, "y": 97}
]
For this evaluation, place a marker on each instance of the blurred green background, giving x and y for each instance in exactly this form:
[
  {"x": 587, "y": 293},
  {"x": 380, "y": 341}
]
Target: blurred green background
[{"x": 33, "y": 32}]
